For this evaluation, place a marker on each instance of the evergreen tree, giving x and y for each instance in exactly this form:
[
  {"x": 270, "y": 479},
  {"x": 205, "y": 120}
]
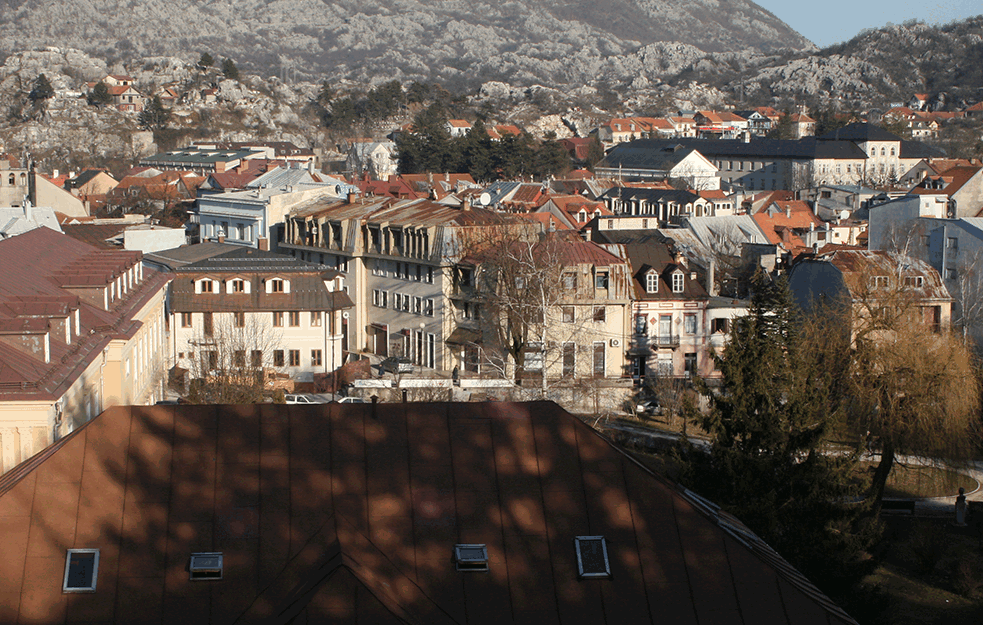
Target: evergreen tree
[
  {"x": 100, "y": 96},
  {"x": 595, "y": 152},
  {"x": 477, "y": 153},
  {"x": 154, "y": 116},
  {"x": 205, "y": 60},
  {"x": 551, "y": 159},
  {"x": 784, "y": 129},
  {"x": 229, "y": 69},
  {"x": 42, "y": 89},
  {"x": 783, "y": 379}
]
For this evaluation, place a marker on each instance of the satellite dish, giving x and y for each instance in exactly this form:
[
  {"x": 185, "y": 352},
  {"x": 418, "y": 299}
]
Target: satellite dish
[{"x": 484, "y": 199}]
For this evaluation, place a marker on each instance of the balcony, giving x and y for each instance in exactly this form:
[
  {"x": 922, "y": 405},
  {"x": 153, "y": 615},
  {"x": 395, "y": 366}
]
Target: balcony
[{"x": 643, "y": 343}]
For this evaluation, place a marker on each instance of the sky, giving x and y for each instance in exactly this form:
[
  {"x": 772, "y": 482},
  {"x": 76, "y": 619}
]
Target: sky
[{"x": 841, "y": 20}]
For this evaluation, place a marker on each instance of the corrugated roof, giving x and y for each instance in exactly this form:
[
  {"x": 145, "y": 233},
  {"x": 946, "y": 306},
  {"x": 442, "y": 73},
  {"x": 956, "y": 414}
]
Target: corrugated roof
[{"x": 350, "y": 513}]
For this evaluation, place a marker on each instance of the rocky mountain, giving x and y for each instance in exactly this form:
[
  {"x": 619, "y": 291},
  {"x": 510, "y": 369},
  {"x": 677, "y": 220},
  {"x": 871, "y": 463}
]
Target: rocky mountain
[{"x": 458, "y": 42}]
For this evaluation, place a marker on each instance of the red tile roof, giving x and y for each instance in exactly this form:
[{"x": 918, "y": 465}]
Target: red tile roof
[
  {"x": 350, "y": 513},
  {"x": 39, "y": 269}
]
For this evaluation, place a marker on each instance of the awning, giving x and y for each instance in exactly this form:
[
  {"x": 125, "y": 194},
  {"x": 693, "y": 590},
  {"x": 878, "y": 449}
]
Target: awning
[{"x": 463, "y": 336}]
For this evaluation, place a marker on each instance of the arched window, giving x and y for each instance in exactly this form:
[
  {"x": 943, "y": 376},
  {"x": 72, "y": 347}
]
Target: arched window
[
  {"x": 12, "y": 180},
  {"x": 883, "y": 152},
  {"x": 892, "y": 151}
]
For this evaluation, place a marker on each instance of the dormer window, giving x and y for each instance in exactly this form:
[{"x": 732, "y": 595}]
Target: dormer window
[
  {"x": 206, "y": 286},
  {"x": 81, "y": 570},
  {"x": 915, "y": 282},
  {"x": 879, "y": 282},
  {"x": 237, "y": 285},
  {"x": 678, "y": 282},
  {"x": 652, "y": 282},
  {"x": 277, "y": 285}
]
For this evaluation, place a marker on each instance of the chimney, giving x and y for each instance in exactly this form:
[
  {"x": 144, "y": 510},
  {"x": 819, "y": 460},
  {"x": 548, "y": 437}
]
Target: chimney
[
  {"x": 54, "y": 173},
  {"x": 263, "y": 243},
  {"x": 447, "y": 176},
  {"x": 466, "y": 204},
  {"x": 221, "y": 237},
  {"x": 788, "y": 211},
  {"x": 351, "y": 197},
  {"x": 310, "y": 166}
]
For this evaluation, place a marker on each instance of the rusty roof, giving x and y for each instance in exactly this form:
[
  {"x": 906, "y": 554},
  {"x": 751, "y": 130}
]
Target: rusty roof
[{"x": 350, "y": 513}]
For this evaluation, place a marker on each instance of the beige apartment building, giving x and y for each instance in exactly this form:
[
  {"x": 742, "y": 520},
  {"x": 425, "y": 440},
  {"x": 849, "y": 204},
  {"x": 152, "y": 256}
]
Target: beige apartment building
[{"x": 81, "y": 329}]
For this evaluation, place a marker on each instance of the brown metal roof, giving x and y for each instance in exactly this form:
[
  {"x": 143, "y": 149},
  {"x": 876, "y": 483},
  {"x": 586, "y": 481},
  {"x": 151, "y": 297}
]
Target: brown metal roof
[{"x": 349, "y": 513}]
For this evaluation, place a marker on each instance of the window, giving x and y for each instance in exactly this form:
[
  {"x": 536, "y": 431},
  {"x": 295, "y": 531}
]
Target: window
[
  {"x": 952, "y": 243},
  {"x": 406, "y": 303},
  {"x": 315, "y": 358},
  {"x": 569, "y": 314},
  {"x": 315, "y": 318},
  {"x": 212, "y": 360},
  {"x": 641, "y": 323},
  {"x": 277, "y": 286},
  {"x": 209, "y": 327},
  {"x": 81, "y": 570},
  {"x": 601, "y": 280},
  {"x": 569, "y": 358},
  {"x": 599, "y": 359},
  {"x": 883, "y": 153},
  {"x": 397, "y": 301},
  {"x": 205, "y": 566},
  {"x": 473, "y": 557},
  {"x": 278, "y": 358},
  {"x": 915, "y": 282},
  {"x": 428, "y": 310},
  {"x": 719, "y": 325},
  {"x": 239, "y": 358},
  {"x": 206, "y": 286},
  {"x": 294, "y": 318},
  {"x": 430, "y": 275},
  {"x": 879, "y": 282},
  {"x": 689, "y": 363},
  {"x": 534, "y": 357},
  {"x": 237, "y": 286},
  {"x": 464, "y": 276},
  {"x": 689, "y": 323},
  {"x": 239, "y": 319},
  {"x": 592, "y": 557},
  {"x": 256, "y": 358},
  {"x": 186, "y": 320},
  {"x": 651, "y": 282},
  {"x": 599, "y": 313},
  {"x": 677, "y": 282},
  {"x": 570, "y": 281},
  {"x": 278, "y": 319},
  {"x": 418, "y": 305},
  {"x": 295, "y": 358}
]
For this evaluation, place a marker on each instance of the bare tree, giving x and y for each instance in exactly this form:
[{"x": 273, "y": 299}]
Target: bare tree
[
  {"x": 235, "y": 361},
  {"x": 913, "y": 382}
]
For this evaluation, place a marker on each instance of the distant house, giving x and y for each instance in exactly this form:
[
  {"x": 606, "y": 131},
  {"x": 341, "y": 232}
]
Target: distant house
[
  {"x": 457, "y": 127},
  {"x": 125, "y": 96},
  {"x": 375, "y": 158},
  {"x": 804, "y": 125}
]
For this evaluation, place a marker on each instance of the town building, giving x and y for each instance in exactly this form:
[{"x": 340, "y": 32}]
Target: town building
[
  {"x": 81, "y": 329},
  {"x": 274, "y": 312}
]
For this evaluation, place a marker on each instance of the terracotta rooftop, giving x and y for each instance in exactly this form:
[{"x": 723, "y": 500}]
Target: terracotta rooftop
[{"x": 350, "y": 514}]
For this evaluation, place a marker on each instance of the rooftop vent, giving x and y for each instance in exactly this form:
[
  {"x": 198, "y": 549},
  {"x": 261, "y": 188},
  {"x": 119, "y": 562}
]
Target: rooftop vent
[
  {"x": 81, "y": 570},
  {"x": 205, "y": 567},
  {"x": 471, "y": 557},
  {"x": 592, "y": 557}
]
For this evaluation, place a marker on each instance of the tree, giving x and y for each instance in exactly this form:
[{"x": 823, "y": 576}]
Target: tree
[
  {"x": 784, "y": 129},
  {"x": 205, "y": 61},
  {"x": 783, "y": 378},
  {"x": 551, "y": 159},
  {"x": 154, "y": 116},
  {"x": 100, "y": 96},
  {"x": 913, "y": 386},
  {"x": 595, "y": 152},
  {"x": 229, "y": 69},
  {"x": 231, "y": 363},
  {"x": 42, "y": 90}
]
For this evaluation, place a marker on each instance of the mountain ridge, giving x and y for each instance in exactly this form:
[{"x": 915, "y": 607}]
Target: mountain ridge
[{"x": 522, "y": 41}]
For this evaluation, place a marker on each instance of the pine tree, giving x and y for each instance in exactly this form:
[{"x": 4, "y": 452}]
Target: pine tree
[
  {"x": 154, "y": 116},
  {"x": 205, "y": 60},
  {"x": 229, "y": 69},
  {"x": 783, "y": 381},
  {"x": 100, "y": 95},
  {"x": 42, "y": 89}
]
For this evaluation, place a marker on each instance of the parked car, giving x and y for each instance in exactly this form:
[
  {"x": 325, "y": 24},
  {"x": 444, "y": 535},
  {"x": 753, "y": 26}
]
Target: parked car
[
  {"x": 303, "y": 399},
  {"x": 397, "y": 364},
  {"x": 351, "y": 400}
]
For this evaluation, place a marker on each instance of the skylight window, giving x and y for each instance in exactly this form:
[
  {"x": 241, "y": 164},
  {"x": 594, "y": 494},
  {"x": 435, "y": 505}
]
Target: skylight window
[
  {"x": 81, "y": 570},
  {"x": 592, "y": 557},
  {"x": 471, "y": 557},
  {"x": 205, "y": 567}
]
